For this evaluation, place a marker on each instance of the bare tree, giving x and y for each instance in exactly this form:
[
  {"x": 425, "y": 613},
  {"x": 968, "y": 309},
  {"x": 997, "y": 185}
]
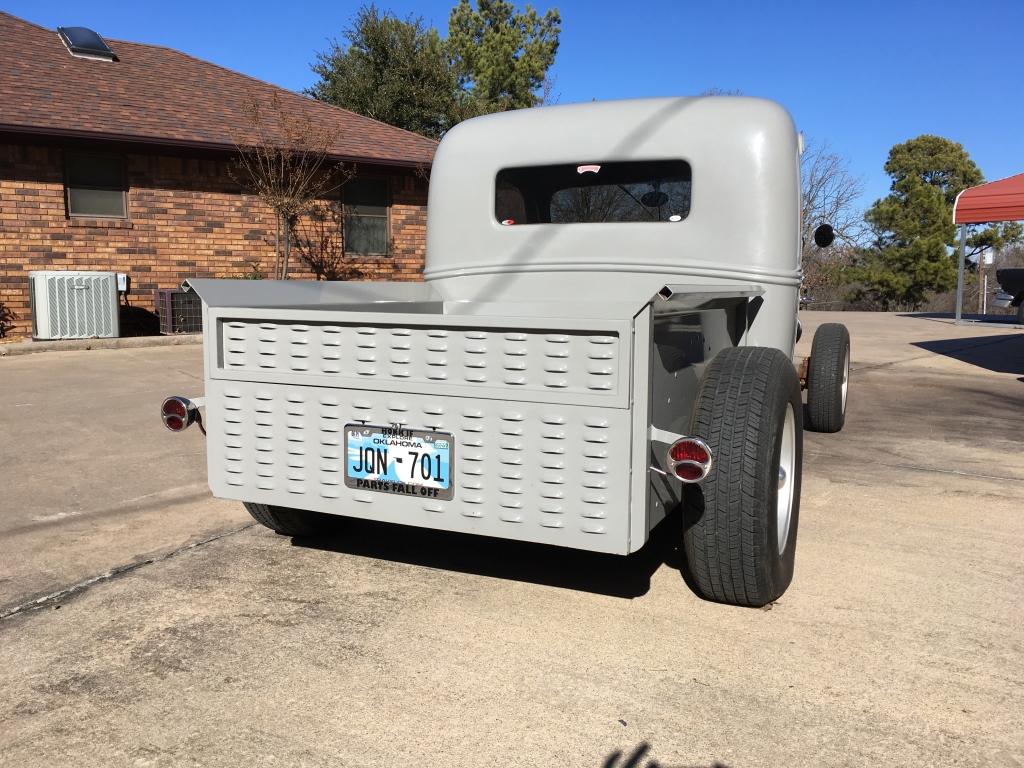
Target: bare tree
[
  {"x": 284, "y": 159},
  {"x": 7, "y": 318},
  {"x": 829, "y": 194},
  {"x": 716, "y": 91},
  {"x": 1010, "y": 257},
  {"x": 548, "y": 97},
  {"x": 320, "y": 243}
]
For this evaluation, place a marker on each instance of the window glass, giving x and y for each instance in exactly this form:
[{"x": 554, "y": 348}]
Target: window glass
[
  {"x": 366, "y": 217},
  {"x": 95, "y": 186},
  {"x": 366, "y": 235},
  {"x": 640, "y": 191}
]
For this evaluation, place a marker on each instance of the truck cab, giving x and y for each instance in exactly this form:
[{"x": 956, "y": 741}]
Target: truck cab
[{"x": 604, "y": 333}]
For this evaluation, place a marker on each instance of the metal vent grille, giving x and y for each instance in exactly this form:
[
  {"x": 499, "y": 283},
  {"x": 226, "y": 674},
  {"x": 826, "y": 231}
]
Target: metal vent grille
[
  {"x": 179, "y": 311},
  {"x": 533, "y": 471},
  {"x": 74, "y": 305},
  {"x": 576, "y": 362}
]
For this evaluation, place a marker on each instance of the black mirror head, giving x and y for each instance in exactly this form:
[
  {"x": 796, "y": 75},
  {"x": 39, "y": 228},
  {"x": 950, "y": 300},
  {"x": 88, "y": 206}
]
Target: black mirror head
[
  {"x": 654, "y": 199},
  {"x": 824, "y": 235}
]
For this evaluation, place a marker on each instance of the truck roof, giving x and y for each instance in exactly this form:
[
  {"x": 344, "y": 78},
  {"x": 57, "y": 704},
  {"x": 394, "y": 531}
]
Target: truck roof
[{"x": 742, "y": 156}]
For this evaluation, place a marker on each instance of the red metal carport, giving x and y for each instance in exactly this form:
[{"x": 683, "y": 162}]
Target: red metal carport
[{"x": 990, "y": 203}]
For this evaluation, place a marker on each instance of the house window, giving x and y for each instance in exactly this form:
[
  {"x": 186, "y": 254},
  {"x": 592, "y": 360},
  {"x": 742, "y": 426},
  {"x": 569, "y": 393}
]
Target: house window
[
  {"x": 366, "y": 217},
  {"x": 95, "y": 187}
]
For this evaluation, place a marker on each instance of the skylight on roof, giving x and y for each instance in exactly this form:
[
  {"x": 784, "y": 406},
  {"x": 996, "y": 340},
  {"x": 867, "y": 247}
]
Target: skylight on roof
[{"x": 82, "y": 41}]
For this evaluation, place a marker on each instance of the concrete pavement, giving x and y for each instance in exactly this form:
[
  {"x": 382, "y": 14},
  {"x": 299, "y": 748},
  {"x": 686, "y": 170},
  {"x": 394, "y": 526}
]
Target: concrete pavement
[
  {"x": 901, "y": 640},
  {"x": 91, "y": 478}
]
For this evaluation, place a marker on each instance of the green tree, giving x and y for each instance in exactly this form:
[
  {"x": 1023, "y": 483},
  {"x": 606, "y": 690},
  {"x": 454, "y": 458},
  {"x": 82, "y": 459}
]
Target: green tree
[
  {"x": 394, "y": 70},
  {"x": 501, "y": 56},
  {"x": 915, "y": 238}
]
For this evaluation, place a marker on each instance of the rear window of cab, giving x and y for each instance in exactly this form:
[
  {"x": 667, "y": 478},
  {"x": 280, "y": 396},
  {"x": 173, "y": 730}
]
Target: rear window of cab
[{"x": 588, "y": 193}]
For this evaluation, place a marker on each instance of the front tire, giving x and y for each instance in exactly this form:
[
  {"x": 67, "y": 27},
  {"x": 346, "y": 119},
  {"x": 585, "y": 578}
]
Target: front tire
[
  {"x": 828, "y": 378},
  {"x": 289, "y": 522},
  {"x": 740, "y": 524}
]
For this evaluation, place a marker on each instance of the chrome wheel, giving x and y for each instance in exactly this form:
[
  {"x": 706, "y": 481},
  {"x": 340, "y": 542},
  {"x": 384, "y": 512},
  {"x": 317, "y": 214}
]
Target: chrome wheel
[
  {"x": 846, "y": 377},
  {"x": 784, "y": 498}
]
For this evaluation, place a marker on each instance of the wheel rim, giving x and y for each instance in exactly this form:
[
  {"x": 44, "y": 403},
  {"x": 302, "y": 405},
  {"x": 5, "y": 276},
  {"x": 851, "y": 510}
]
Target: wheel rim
[
  {"x": 787, "y": 477},
  {"x": 846, "y": 376}
]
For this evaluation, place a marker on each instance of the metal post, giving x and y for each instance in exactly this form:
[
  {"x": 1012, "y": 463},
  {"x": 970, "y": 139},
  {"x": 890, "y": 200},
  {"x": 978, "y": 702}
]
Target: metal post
[{"x": 960, "y": 273}]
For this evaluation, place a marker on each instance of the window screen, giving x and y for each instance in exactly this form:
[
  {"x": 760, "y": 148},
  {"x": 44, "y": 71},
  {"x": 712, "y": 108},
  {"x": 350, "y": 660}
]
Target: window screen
[
  {"x": 651, "y": 191},
  {"x": 95, "y": 186},
  {"x": 366, "y": 217}
]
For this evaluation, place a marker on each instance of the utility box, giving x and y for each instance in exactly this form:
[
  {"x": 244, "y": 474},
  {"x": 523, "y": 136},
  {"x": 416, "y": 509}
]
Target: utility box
[
  {"x": 73, "y": 305},
  {"x": 179, "y": 311}
]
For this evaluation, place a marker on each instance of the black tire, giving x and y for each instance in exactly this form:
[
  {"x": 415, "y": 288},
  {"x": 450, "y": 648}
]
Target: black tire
[
  {"x": 731, "y": 526},
  {"x": 290, "y": 522},
  {"x": 1020, "y": 313},
  {"x": 827, "y": 373}
]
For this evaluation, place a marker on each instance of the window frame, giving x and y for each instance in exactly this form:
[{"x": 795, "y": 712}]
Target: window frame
[
  {"x": 388, "y": 203},
  {"x": 68, "y": 158},
  {"x": 543, "y": 213}
]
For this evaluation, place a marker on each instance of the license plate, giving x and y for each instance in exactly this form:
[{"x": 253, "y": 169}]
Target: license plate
[{"x": 408, "y": 462}]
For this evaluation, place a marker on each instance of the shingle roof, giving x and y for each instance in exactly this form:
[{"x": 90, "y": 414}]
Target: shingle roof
[{"x": 162, "y": 96}]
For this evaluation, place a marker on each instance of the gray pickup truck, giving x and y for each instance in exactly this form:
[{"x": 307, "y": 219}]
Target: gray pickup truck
[
  {"x": 605, "y": 333},
  {"x": 1011, "y": 294}
]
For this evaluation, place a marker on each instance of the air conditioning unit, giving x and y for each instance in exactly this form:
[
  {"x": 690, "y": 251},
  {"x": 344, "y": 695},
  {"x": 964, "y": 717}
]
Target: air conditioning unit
[
  {"x": 73, "y": 305},
  {"x": 180, "y": 311}
]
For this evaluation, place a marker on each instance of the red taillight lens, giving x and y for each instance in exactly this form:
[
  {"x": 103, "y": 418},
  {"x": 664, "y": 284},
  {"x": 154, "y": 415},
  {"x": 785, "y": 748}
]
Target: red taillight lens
[
  {"x": 689, "y": 459},
  {"x": 689, "y": 450},
  {"x": 177, "y": 413},
  {"x": 690, "y": 473},
  {"x": 175, "y": 407}
]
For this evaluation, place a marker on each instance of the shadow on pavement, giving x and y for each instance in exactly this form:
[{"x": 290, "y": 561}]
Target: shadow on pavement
[
  {"x": 1010, "y": 319},
  {"x": 1001, "y": 354},
  {"x": 611, "y": 575},
  {"x": 638, "y": 759}
]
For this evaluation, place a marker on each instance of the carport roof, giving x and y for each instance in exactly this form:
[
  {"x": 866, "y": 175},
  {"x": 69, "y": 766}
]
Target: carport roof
[{"x": 1001, "y": 200}]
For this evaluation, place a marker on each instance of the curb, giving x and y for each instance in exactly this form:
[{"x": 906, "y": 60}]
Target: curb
[{"x": 71, "y": 345}]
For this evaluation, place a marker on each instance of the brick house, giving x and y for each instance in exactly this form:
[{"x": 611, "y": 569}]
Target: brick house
[{"x": 122, "y": 163}]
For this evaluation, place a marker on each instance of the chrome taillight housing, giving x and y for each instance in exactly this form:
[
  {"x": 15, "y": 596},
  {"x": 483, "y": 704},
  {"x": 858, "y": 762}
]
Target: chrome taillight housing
[
  {"x": 689, "y": 459},
  {"x": 178, "y": 413}
]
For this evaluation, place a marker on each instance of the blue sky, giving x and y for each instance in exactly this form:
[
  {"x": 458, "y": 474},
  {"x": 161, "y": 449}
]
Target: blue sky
[{"x": 861, "y": 75}]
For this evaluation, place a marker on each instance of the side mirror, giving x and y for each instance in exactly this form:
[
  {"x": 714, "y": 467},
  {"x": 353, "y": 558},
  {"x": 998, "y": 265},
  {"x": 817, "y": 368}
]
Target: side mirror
[{"x": 824, "y": 235}]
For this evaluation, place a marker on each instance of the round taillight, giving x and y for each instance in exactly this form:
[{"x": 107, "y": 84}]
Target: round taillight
[
  {"x": 174, "y": 407},
  {"x": 689, "y": 459},
  {"x": 177, "y": 413}
]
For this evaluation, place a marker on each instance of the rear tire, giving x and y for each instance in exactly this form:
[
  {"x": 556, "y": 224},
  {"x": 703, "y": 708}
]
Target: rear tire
[
  {"x": 1020, "y": 313},
  {"x": 828, "y": 378},
  {"x": 740, "y": 524},
  {"x": 290, "y": 522}
]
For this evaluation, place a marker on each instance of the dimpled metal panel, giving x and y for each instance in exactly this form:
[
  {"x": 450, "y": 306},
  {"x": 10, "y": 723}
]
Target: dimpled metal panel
[
  {"x": 527, "y": 360},
  {"x": 556, "y": 474}
]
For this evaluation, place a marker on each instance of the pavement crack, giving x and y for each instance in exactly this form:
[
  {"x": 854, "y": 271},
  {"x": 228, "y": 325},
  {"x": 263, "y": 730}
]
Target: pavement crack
[{"x": 78, "y": 588}]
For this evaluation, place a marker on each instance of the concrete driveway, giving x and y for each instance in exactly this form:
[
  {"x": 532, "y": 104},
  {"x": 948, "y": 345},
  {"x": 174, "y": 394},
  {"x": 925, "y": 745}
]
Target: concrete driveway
[
  {"x": 91, "y": 478},
  {"x": 901, "y": 641}
]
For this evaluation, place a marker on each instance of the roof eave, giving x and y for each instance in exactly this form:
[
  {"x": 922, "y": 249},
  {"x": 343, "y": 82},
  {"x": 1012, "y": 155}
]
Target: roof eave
[{"x": 158, "y": 141}]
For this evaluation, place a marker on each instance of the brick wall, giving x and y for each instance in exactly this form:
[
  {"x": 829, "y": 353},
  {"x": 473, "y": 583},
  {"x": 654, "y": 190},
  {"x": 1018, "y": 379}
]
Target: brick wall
[{"x": 186, "y": 218}]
